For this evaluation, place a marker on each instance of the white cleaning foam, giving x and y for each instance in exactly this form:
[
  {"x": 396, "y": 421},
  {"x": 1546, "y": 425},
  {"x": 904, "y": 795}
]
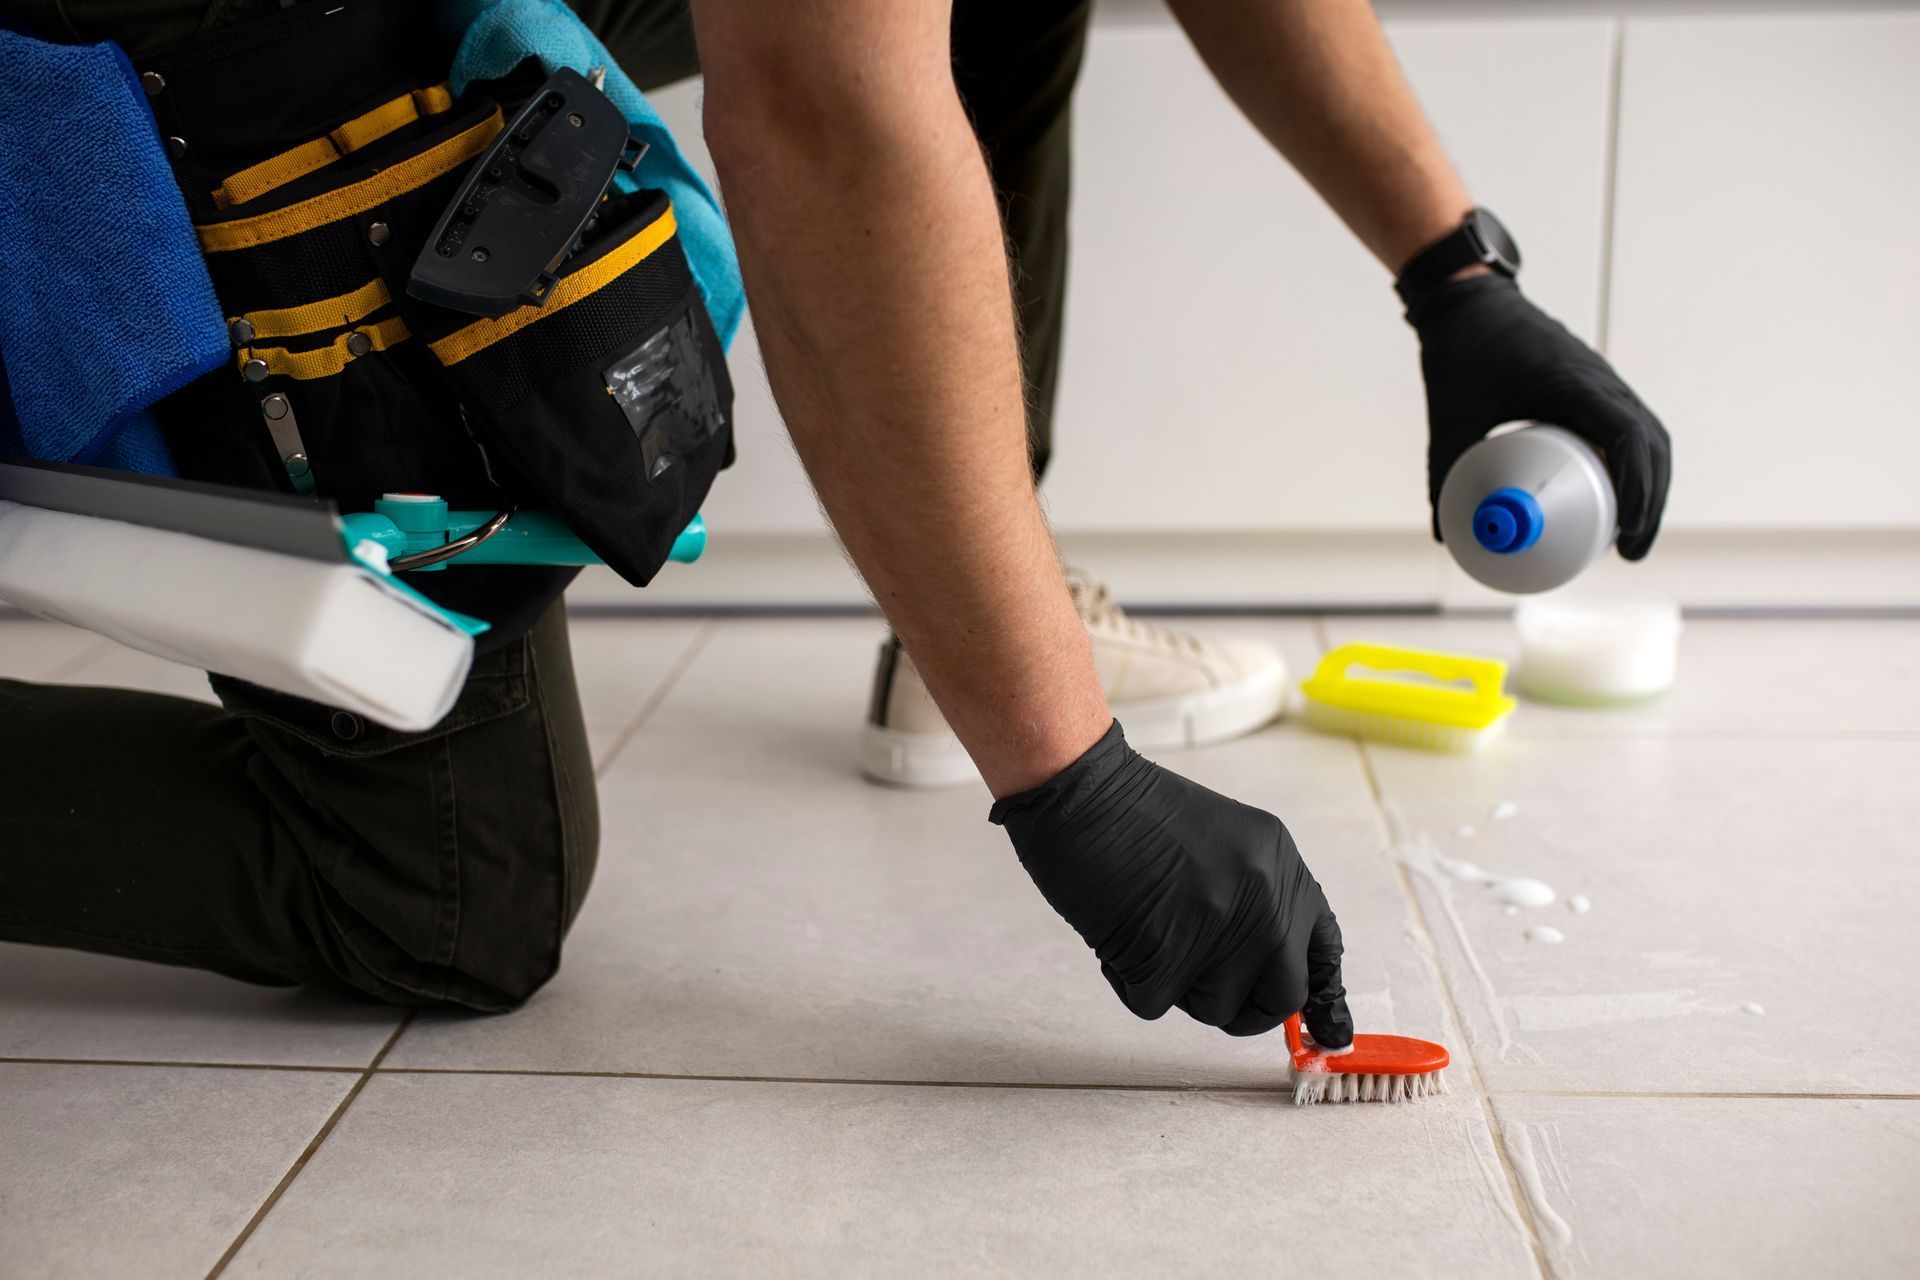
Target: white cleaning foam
[
  {"x": 1416, "y": 851},
  {"x": 1504, "y": 810},
  {"x": 1521, "y": 891},
  {"x": 1545, "y": 933},
  {"x": 1579, "y": 904},
  {"x": 1518, "y": 891},
  {"x": 1751, "y": 1007}
]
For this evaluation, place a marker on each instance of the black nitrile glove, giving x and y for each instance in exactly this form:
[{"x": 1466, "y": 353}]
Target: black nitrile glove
[
  {"x": 1491, "y": 357},
  {"x": 1188, "y": 898}
]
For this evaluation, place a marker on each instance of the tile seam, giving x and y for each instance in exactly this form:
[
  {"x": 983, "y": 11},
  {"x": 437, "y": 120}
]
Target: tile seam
[
  {"x": 312, "y": 1148},
  {"x": 694, "y": 647},
  {"x": 1522, "y": 1205}
]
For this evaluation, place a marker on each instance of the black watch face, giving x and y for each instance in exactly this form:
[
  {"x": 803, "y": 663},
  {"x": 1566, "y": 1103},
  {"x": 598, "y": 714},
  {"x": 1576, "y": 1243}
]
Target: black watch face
[{"x": 1497, "y": 248}]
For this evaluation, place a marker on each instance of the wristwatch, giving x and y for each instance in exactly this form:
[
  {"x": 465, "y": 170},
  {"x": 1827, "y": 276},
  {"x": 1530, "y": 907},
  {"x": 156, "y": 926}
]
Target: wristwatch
[{"x": 1480, "y": 239}]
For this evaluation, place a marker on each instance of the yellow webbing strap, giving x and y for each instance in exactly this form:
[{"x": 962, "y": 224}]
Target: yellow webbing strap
[
  {"x": 328, "y": 313},
  {"x": 481, "y": 334},
  {"x": 324, "y": 362},
  {"x": 358, "y": 197},
  {"x": 317, "y": 153}
]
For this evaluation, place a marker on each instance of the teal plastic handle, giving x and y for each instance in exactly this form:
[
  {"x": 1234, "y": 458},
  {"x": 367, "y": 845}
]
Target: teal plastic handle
[{"x": 401, "y": 526}]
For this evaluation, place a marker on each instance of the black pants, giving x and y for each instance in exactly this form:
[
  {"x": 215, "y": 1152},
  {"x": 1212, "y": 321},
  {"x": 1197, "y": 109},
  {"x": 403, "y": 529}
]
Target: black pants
[
  {"x": 1015, "y": 63},
  {"x": 279, "y": 841}
]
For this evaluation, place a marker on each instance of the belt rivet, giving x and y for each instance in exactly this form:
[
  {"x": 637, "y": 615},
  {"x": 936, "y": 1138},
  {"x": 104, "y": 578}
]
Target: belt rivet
[
  {"x": 153, "y": 82},
  {"x": 379, "y": 233},
  {"x": 176, "y": 147},
  {"x": 296, "y": 464},
  {"x": 576, "y": 120},
  {"x": 480, "y": 254},
  {"x": 358, "y": 343},
  {"x": 345, "y": 725},
  {"x": 274, "y": 406},
  {"x": 254, "y": 370},
  {"x": 241, "y": 331}
]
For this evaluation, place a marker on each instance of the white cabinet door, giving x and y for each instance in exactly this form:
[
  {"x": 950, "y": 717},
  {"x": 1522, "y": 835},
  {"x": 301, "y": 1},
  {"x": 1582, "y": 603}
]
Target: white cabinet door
[
  {"x": 1766, "y": 289},
  {"x": 1234, "y": 359}
]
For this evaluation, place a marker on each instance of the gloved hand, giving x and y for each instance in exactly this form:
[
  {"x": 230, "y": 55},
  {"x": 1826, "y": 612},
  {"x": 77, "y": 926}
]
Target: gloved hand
[
  {"x": 1187, "y": 898},
  {"x": 1490, "y": 357}
]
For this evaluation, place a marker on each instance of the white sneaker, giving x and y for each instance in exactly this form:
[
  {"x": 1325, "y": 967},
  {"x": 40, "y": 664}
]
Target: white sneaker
[{"x": 1167, "y": 689}]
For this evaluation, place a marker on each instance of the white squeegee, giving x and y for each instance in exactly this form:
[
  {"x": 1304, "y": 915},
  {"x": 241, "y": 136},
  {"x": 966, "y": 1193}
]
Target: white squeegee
[{"x": 295, "y": 611}]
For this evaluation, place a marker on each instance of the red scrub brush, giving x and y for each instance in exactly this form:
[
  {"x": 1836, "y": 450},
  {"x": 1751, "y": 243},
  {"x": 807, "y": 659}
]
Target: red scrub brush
[{"x": 1373, "y": 1069}]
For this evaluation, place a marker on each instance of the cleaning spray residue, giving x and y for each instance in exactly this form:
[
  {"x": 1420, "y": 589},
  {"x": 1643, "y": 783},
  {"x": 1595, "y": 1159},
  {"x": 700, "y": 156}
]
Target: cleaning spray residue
[
  {"x": 1555, "y": 1233},
  {"x": 1545, "y": 933},
  {"x": 1518, "y": 891},
  {"x": 1416, "y": 851},
  {"x": 1464, "y": 831},
  {"x": 1752, "y": 1007},
  {"x": 1579, "y": 904},
  {"x": 1504, "y": 810}
]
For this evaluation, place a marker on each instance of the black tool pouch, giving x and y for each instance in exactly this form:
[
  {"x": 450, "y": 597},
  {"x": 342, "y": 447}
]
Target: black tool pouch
[{"x": 609, "y": 402}]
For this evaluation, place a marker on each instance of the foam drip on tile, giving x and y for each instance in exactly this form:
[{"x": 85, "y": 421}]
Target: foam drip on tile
[
  {"x": 1557, "y": 1233},
  {"x": 1416, "y": 851}
]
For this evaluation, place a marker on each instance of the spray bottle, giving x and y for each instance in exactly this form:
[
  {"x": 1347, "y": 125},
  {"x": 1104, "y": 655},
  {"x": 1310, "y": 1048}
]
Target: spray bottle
[{"x": 1526, "y": 510}]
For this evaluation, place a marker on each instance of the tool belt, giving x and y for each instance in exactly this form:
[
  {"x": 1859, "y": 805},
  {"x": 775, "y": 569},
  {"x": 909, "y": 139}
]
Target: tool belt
[{"x": 318, "y": 151}]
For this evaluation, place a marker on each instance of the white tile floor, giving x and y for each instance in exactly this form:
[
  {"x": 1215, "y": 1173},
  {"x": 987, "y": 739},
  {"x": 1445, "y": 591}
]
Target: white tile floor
[{"x": 811, "y": 1027}]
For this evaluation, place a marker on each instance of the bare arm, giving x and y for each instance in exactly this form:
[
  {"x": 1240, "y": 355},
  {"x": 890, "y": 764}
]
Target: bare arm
[
  {"x": 1319, "y": 80},
  {"x": 872, "y": 251}
]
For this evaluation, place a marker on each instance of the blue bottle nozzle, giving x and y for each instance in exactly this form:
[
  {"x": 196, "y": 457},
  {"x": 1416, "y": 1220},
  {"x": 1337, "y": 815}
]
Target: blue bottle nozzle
[{"x": 1508, "y": 521}]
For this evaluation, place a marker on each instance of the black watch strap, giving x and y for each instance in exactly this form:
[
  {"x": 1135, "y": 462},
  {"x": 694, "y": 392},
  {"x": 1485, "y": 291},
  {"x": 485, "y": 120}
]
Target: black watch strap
[{"x": 1480, "y": 240}]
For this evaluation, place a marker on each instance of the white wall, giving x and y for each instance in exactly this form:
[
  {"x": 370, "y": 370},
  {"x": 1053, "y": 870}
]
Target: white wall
[{"x": 1724, "y": 198}]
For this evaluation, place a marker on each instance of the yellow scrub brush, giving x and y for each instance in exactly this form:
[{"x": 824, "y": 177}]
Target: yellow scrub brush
[{"x": 1411, "y": 697}]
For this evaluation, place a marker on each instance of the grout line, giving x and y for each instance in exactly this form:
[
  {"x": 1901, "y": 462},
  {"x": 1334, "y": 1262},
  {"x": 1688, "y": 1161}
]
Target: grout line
[
  {"x": 1276, "y": 1090},
  {"x": 885, "y": 1082},
  {"x": 1708, "y": 1094},
  {"x": 194, "y": 1066},
  {"x": 1610, "y": 198},
  {"x": 660, "y": 691},
  {"x": 326, "y": 1130},
  {"x": 1459, "y": 1024}
]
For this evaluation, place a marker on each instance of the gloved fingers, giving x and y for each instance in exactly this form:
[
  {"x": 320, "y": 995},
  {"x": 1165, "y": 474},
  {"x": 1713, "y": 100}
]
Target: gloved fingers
[
  {"x": 1219, "y": 994},
  {"x": 1278, "y": 991},
  {"x": 1612, "y": 419},
  {"x": 1325, "y": 1008},
  {"x": 1635, "y": 543},
  {"x": 1146, "y": 1001}
]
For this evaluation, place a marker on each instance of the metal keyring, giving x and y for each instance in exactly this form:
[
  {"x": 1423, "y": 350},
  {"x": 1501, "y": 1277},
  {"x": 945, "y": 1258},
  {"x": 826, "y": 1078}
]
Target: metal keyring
[{"x": 460, "y": 545}]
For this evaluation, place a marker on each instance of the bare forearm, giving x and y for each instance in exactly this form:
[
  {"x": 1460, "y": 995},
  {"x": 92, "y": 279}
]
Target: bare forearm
[
  {"x": 872, "y": 252},
  {"x": 1318, "y": 79}
]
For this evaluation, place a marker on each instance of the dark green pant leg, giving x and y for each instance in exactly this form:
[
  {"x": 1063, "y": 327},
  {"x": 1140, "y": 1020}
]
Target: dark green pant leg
[
  {"x": 281, "y": 841},
  {"x": 128, "y": 825},
  {"x": 1016, "y": 63}
]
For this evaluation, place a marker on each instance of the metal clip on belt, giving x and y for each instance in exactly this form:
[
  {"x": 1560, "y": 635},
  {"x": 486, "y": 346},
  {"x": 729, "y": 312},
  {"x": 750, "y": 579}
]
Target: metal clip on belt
[{"x": 520, "y": 213}]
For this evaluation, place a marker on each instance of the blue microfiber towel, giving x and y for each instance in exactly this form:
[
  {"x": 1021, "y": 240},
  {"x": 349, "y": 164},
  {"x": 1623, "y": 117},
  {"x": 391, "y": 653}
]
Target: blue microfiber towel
[
  {"x": 499, "y": 34},
  {"x": 105, "y": 302}
]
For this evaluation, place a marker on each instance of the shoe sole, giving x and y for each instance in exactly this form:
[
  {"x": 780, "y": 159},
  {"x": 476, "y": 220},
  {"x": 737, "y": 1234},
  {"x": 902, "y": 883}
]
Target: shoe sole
[{"x": 1192, "y": 720}]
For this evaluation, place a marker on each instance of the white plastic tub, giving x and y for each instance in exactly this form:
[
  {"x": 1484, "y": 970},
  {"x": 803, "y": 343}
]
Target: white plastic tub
[{"x": 1597, "y": 651}]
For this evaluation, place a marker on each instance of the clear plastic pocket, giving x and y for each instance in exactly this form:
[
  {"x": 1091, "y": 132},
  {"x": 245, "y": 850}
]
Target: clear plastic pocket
[{"x": 609, "y": 404}]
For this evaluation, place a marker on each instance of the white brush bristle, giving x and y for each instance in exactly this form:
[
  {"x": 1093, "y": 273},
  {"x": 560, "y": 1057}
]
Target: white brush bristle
[
  {"x": 1398, "y": 729},
  {"x": 1334, "y": 1086}
]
